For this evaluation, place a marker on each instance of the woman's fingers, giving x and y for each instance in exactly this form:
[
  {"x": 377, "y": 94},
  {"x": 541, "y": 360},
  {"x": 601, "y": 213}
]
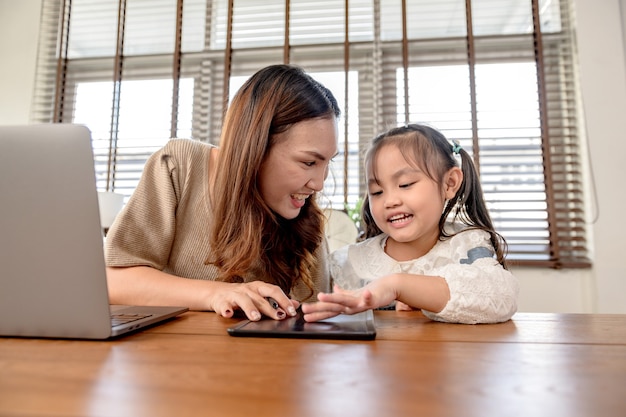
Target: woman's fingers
[
  {"x": 273, "y": 302},
  {"x": 254, "y": 299}
]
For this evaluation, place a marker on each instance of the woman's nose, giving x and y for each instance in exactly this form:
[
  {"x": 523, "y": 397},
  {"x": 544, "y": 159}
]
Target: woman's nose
[{"x": 316, "y": 182}]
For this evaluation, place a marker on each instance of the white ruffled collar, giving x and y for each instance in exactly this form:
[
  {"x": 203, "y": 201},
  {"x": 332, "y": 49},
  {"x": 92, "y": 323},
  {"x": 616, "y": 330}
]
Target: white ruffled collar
[{"x": 370, "y": 261}]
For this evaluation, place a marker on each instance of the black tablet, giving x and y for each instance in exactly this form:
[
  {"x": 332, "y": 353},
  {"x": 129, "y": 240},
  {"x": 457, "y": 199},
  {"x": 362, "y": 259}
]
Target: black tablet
[{"x": 348, "y": 327}]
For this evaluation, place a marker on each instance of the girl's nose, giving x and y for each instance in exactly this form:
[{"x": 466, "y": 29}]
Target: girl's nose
[{"x": 392, "y": 200}]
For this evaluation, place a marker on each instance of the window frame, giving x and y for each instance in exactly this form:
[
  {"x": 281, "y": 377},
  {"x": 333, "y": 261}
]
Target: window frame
[{"x": 375, "y": 61}]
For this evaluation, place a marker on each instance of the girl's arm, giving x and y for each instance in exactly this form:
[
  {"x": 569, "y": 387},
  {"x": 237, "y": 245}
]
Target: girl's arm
[
  {"x": 480, "y": 293},
  {"x": 417, "y": 291},
  {"x": 465, "y": 284}
]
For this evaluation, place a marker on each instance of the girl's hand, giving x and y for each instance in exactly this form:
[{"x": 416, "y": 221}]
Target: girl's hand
[
  {"x": 400, "y": 306},
  {"x": 252, "y": 299},
  {"x": 376, "y": 294}
]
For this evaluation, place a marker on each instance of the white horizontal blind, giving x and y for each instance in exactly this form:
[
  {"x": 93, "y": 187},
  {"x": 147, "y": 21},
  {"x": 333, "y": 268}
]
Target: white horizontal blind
[
  {"x": 564, "y": 130},
  {"x": 529, "y": 183},
  {"x": 42, "y": 107},
  {"x": 120, "y": 70}
]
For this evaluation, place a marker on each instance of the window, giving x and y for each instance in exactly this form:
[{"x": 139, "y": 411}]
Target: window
[
  {"x": 146, "y": 105},
  {"x": 499, "y": 76}
]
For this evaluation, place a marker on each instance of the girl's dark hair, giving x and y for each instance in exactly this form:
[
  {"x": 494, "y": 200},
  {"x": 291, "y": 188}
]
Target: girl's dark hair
[
  {"x": 435, "y": 155},
  {"x": 248, "y": 237}
]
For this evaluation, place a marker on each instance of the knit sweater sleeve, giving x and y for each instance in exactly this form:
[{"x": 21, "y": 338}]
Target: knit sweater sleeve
[{"x": 144, "y": 231}]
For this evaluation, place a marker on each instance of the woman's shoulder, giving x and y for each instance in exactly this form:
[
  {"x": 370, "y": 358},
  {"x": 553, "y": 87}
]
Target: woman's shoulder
[
  {"x": 184, "y": 146},
  {"x": 184, "y": 154}
]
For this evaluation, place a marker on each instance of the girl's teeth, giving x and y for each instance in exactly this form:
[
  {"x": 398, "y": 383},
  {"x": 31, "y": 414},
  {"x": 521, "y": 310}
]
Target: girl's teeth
[{"x": 398, "y": 217}]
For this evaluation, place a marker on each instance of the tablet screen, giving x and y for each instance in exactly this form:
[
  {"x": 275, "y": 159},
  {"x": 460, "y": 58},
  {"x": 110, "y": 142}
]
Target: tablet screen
[{"x": 351, "y": 327}]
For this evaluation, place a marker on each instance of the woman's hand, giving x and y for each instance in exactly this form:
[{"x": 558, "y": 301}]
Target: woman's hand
[
  {"x": 143, "y": 285},
  {"x": 254, "y": 299},
  {"x": 376, "y": 294}
]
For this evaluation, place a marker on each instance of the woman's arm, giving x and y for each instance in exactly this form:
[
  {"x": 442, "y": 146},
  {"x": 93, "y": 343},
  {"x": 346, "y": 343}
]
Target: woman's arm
[{"x": 143, "y": 285}]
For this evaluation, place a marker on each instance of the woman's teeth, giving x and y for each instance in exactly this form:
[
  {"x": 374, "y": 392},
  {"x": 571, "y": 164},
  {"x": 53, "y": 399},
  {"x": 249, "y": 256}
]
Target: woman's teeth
[{"x": 299, "y": 196}]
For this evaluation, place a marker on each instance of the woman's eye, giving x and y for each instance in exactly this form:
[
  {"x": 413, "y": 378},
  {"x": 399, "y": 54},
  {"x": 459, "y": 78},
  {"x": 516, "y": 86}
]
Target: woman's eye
[{"x": 309, "y": 163}]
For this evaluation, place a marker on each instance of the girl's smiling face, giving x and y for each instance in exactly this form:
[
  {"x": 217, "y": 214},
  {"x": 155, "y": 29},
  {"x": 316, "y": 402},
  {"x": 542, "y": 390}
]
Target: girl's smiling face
[
  {"x": 297, "y": 165},
  {"x": 405, "y": 202}
]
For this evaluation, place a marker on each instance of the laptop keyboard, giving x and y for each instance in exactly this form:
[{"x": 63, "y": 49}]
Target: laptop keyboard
[{"x": 123, "y": 318}]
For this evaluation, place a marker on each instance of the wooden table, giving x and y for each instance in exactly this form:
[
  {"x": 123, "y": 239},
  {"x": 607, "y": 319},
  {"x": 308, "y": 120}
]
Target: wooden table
[{"x": 535, "y": 365}]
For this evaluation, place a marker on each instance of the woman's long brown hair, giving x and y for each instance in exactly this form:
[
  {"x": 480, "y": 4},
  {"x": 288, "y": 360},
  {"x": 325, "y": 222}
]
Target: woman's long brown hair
[{"x": 248, "y": 237}]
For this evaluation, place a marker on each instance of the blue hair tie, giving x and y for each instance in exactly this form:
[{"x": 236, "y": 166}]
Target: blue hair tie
[{"x": 456, "y": 147}]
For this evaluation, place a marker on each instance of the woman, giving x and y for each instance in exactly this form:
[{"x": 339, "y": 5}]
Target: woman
[{"x": 223, "y": 229}]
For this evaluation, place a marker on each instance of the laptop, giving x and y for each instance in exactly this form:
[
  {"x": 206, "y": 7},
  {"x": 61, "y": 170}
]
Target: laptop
[
  {"x": 52, "y": 270},
  {"x": 345, "y": 327}
]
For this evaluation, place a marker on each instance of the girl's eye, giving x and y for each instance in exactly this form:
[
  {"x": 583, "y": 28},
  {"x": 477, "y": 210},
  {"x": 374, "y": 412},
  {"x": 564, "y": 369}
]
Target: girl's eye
[
  {"x": 406, "y": 185},
  {"x": 375, "y": 193}
]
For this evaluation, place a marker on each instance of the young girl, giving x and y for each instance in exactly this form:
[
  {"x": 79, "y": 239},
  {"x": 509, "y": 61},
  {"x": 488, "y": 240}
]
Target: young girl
[{"x": 430, "y": 241}]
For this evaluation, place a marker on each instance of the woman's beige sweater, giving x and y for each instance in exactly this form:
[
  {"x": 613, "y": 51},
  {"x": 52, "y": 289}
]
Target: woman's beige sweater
[{"x": 166, "y": 222}]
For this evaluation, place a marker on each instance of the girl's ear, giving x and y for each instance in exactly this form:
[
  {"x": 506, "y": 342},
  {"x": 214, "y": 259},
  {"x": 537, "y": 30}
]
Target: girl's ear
[{"x": 452, "y": 182}]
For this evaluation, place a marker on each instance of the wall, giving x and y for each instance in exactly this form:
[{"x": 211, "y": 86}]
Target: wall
[
  {"x": 19, "y": 34},
  {"x": 603, "y": 75},
  {"x": 603, "y": 79}
]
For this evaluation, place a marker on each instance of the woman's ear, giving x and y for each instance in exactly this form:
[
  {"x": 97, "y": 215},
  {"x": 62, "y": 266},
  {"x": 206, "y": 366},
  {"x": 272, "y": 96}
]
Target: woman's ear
[{"x": 452, "y": 182}]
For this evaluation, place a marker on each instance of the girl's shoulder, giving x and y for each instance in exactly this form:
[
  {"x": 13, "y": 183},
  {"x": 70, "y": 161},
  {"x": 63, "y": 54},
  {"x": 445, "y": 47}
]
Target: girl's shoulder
[
  {"x": 366, "y": 260},
  {"x": 363, "y": 251},
  {"x": 464, "y": 246},
  {"x": 372, "y": 244},
  {"x": 459, "y": 232}
]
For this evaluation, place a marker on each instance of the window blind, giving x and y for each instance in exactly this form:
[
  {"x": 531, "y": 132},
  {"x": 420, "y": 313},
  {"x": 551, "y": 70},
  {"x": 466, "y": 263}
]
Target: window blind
[{"x": 498, "y": 75}]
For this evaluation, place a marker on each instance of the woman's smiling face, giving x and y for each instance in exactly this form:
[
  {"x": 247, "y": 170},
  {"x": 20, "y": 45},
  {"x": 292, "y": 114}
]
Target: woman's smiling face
[{"x": 297, "y": 165}]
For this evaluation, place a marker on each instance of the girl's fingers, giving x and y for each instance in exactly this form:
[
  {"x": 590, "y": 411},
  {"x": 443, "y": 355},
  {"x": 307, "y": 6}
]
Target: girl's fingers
[
  {"x": 323, "y": 307},
  {"x": 344, "y": 298},
  {"x": 312, "y": 317}
]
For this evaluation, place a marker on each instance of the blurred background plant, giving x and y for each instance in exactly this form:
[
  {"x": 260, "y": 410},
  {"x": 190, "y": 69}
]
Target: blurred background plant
[{"x": 354, "y": 212}]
